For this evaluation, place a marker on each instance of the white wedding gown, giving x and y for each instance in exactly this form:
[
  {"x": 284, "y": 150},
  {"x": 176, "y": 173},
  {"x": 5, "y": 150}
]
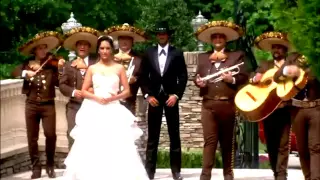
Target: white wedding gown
[{"x": 104, "y": 146}]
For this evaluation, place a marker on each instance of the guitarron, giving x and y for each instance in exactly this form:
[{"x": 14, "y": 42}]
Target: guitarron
[{"x": 258, "y": 101}]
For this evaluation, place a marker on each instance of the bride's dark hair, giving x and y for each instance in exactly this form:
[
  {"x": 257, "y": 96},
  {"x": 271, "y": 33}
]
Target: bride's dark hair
[{"x": 104, "y": 38}]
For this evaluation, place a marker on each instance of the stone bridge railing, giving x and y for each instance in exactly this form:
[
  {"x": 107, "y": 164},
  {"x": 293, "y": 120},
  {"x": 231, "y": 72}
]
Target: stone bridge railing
[{"x": 14, "y": 151}]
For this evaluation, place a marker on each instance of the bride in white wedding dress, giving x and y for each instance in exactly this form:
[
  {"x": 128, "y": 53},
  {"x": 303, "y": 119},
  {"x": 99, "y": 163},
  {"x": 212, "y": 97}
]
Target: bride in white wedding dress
[{"x": 105, "y": 132}]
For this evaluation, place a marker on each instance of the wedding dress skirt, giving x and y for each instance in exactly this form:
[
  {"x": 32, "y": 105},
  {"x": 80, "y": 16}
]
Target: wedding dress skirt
[{"x": 104, "y": 146}]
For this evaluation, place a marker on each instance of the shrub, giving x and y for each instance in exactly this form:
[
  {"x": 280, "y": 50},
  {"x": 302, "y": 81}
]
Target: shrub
[{"x": 190, "y": 159}]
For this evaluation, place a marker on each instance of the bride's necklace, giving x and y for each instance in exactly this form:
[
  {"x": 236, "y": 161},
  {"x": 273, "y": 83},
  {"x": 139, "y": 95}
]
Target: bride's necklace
[{"x": 104, "y": 73}]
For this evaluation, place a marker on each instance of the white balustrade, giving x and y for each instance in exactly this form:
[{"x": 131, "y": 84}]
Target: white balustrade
[{"x": 13, "y": 126}]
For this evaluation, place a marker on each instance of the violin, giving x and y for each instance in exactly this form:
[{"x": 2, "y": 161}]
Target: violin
[{"x": 52, "y": 60}]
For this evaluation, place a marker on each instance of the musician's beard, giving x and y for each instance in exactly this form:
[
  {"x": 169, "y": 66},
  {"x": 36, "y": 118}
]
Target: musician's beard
[{"x": 277, "y": 56}]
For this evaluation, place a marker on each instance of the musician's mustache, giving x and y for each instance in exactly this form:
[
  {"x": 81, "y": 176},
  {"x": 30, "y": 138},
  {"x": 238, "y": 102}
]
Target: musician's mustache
[
  {"x": 218, "y": 45},
  {"x": 276, "y": 54}
]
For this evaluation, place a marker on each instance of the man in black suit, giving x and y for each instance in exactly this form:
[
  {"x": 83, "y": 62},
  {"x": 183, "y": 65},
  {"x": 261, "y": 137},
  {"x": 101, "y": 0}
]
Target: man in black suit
[{"x": 163, "y": 81}]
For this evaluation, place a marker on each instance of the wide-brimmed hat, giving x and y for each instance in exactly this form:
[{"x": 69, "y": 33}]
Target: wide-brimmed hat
[
  {"x": 266, "y": 40},
  {"x": 229, "y": 29},
  {"x": 50, "y": 38},
  {"x": 162, "y": 27},
  {"x": 125, "y": 29},
  {"x": 81, "y": 34}
]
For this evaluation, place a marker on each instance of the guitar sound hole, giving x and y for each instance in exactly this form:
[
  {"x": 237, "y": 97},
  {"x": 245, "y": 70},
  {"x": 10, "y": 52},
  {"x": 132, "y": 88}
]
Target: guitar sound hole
[{"x": 267, "y": 82}]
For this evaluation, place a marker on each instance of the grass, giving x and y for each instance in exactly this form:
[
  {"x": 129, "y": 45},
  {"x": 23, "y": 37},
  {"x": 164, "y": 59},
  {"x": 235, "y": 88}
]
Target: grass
[{"x": 192, "y": 158}]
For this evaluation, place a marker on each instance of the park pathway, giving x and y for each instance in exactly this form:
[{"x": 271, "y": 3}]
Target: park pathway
[{"x": 190, "y": 174}]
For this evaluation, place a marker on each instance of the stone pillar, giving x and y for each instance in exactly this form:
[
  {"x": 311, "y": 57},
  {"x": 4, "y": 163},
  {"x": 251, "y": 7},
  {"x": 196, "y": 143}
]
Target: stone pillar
[{"x": 141, "y": 110}]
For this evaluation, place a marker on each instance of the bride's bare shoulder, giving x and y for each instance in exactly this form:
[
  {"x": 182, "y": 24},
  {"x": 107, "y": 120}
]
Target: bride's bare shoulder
[
  {"x": 93, "y": 69},
  {"x": 119, "y": 67},
  {"x": 92, "y": 66}
]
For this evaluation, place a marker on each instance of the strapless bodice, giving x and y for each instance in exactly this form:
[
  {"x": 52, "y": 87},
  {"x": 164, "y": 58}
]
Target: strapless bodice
[{"x": 105, "y": 85}]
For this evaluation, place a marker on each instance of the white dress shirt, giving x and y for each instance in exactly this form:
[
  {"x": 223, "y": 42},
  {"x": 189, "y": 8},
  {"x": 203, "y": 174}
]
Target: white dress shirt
[
  {"x": 24, "y": 73},
  {"x": 285, "y": 71},
  {"x": 162, "y": 58},
  {"x": 86, "y": 61}
]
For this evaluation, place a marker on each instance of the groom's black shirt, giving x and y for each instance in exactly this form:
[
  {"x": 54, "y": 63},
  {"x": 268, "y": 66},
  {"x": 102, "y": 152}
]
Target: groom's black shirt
[{"x": 172, "y": 79}]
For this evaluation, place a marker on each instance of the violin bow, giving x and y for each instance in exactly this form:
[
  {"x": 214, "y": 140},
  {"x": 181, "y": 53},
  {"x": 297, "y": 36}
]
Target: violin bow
[{"x": 47, "y": 60}]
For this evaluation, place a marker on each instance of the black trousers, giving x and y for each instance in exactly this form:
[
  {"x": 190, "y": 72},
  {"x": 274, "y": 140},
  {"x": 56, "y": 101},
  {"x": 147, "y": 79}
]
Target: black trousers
[
  {"x": 277, "y": 132},
  {"x": 154, "y": 127}
]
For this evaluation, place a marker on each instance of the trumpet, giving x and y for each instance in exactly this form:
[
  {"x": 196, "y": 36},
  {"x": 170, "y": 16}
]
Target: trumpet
[
  {"x": 235, "y": 70},
  {"x": 130, "y": 70},
  {"x": 129, "y": 73}
]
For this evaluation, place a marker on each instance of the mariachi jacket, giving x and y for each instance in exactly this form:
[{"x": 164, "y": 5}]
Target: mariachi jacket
[
  {"x": 72, "y": 79},
  {"x": 41, "y": 87},
  {"x": 221, "y": 89}
]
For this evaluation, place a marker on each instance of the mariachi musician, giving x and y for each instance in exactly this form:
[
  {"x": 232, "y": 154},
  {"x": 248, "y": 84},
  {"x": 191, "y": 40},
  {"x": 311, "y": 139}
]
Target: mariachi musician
[
  {"x": 306, "y": 124},
  {"x": 278, "y": 124},
  {"x": 128, "y": 35},
  {"x": 40, "y": 73},
  {"x": 83, "y": 40},
  {"x": 218, "y": 109}
]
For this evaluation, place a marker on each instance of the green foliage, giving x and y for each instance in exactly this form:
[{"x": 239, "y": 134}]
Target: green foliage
[
  {"x": 101, "y": 14},
  {"x": 256, "y": 12},
  {"x": 264, "y": 165},
  {"x": 261, "y": 55},
  {"x": 178, "y": 17},
  {"x": 190, "y": 159},
  {"x": 301, "y": 21},
  {"x": 5, "y": 70},
  {"x": 21, "y": 19}
]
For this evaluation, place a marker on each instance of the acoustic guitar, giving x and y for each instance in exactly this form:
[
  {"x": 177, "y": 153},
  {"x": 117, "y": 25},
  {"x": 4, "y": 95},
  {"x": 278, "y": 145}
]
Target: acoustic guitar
[
  {"x": 289, "y": 88},
  {"x": 258, "y": 101}
]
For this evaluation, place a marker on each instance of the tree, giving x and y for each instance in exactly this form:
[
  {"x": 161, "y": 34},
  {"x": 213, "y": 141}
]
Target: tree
[
  {"x": 102, "y": 14},
  {"x": 22, "y": 19},
  {"x": 301, "y": 20},
  {"x": 178, "y": 17}
]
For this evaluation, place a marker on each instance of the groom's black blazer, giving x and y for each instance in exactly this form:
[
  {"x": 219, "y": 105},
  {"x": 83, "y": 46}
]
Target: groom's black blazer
[{"x": 175, "y": 75}]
